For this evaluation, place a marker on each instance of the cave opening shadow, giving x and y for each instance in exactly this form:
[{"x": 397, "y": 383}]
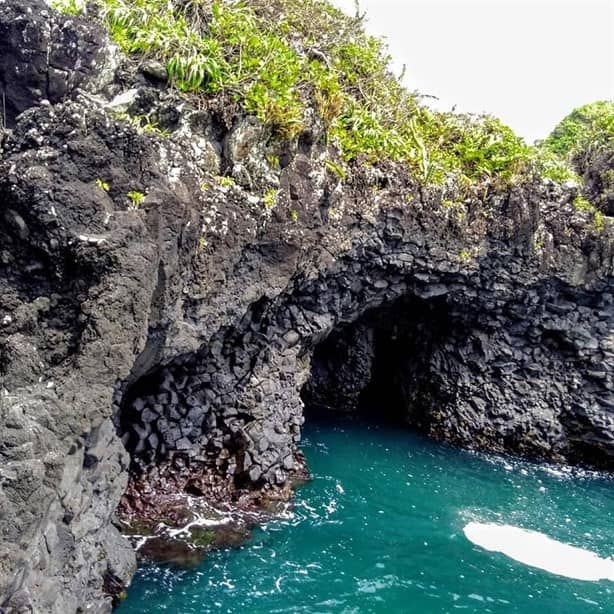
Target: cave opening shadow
[{"x": 379, "y": 368}]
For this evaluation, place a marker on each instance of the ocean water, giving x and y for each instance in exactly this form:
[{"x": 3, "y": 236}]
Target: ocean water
[{"x": 385, "y": 526}]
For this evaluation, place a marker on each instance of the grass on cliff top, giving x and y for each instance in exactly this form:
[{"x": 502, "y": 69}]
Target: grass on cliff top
[{"x": 281, "y": 59}]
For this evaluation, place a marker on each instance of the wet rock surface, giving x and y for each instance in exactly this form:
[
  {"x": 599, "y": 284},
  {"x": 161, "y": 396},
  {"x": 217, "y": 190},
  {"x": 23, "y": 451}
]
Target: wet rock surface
[{"x": 154, "y": 354}]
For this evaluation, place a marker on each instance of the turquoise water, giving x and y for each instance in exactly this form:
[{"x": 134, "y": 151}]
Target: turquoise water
[{"x": 380, "y": 529}]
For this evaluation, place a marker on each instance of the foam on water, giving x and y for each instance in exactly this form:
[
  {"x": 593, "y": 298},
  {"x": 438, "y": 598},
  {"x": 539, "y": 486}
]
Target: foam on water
[{"x": 538, "y": 550}]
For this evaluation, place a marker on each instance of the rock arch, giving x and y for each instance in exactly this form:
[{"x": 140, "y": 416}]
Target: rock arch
[{"x": 488, "y": 358}]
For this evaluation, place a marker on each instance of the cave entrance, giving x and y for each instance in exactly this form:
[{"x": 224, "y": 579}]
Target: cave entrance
[{"x": 381, "y": 367}]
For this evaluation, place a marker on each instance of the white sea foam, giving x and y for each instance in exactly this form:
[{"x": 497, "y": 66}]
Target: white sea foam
[
  {"x": 539, "y": 550},
  {"x": 199, "y": 522}
]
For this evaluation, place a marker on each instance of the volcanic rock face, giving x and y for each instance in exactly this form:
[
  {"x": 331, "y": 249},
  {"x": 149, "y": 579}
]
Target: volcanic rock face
[
  {"x": 186, "y": 324},
  {"x": 459, "y": 348},
  {"x": 597, "y": 171},
  {"x": 47, "y": 56}
]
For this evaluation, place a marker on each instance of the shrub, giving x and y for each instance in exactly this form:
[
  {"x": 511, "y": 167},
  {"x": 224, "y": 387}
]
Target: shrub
[
  {"x": 586, "y": 127},
  {"x": 69, "y": 7},
  {"x": 270, "y": 198},
  {"x": 582, "y": 204},
  {"x": 584, "y": 141}
]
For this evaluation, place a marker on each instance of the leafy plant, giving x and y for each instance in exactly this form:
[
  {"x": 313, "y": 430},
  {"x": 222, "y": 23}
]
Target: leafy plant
[
  {"x": 599, "y": 220},
  {"x": 136, "y": 198},
  {"x": 142, "y": 124},
  {"x": 270, "y": 198},
  {"x": 70, "y": 7},
  {"x": 584, "y": 143},
  {"x": 103, "y": 185},
  {"x": 273, "y": 160},
  {"x": 589, "y": 126},
  {"x": 225, "y": 181},
  {"x": 465, "y": 255},
  {"x": 336, "y": 168},
  {"x": 556, "y": 168},
  {"x": 582, "y": 204}
]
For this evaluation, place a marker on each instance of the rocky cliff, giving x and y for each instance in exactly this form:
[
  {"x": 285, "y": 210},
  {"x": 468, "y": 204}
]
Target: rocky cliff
[{"x": 157, "y": 315}]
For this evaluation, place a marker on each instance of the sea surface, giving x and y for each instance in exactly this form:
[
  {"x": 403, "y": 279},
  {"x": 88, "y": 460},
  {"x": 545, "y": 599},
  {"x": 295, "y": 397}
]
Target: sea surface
[{"x": 385, "y": 526}]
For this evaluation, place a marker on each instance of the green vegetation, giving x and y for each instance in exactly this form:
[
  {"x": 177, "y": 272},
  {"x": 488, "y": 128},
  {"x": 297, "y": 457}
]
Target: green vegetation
[
  {"x": 70, "y": 7},
  {"x": 585, "y": 128},
  {"x": 136, "y": 198},
  {"x": 582, "y": 204},
  {"x": 277, "y": 59},
  {"x": 142, "y": 123},
  {"x": 225, "y": 181},
  {"x": 599, "y": 220},
  {"x": 455, "y": 207},
  {"x": 273, "y": 160},
  {"x": 336, "y": 168},
  {"x": 103, "y": 185},
  {"x": 202, "y": 537},
  {"x": 555, "y": 167},
  {"x": 465, "y": 256},
  {"x": 584, "y": 140},
  {"x": 270, "y": 198}
]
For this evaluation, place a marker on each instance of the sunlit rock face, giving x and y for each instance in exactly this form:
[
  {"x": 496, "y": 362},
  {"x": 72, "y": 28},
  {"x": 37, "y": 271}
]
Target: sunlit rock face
[{"x": 181, "y": 325}]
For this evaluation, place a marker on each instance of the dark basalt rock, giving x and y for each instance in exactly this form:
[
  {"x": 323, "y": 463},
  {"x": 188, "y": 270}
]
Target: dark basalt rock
[
  {"x": 47, "y": 56},
  {"x": 164, "y": 347},
  {"x": 596, "y": 168}
]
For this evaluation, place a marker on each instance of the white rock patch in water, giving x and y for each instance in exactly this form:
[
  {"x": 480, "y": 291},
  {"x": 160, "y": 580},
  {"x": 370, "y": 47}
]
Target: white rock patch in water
[{"x": 539, "y": 550}]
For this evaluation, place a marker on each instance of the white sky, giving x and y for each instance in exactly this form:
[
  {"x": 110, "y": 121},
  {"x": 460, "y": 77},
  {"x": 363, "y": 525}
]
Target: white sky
[{"x": 529, "y": 62}]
